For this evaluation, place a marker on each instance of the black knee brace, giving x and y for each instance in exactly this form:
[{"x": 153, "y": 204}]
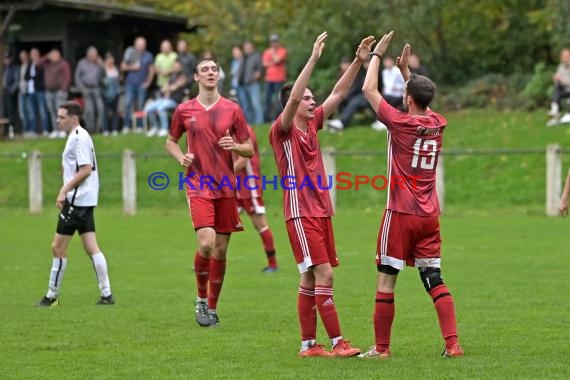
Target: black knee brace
[
  {"x": 431, "y": 278},
  {"x": 387, "y": 269}
]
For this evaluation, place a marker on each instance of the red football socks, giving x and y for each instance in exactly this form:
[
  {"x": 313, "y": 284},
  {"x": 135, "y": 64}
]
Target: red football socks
[
  {"x": 443, "y": 302},
  {"x": 327, "y": 310},
  {"x": 383, "y": 317},
  {"x": 307, "y": 313},
  {"x": 269, "y": 247},
  {"x": 202, "y": 269},
  {"x": 217, "y": 271}
]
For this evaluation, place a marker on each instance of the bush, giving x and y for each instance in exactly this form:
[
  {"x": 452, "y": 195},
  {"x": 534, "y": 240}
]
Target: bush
[{"x": 539, "y": 88}]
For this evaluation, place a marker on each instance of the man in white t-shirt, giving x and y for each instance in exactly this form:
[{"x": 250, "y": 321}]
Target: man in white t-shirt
[{"x": 77, "y": 199}]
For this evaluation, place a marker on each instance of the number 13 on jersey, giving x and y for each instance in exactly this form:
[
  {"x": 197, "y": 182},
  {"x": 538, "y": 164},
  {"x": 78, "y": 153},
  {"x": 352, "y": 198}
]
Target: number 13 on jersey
[{"x": 429, "y": 151}]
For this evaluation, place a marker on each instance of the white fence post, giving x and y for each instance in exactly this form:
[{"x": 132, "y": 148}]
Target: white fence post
[
  {"x": 553, "y": 179},
  {"x": 440, "y": 182},
  {"x": 35, "y": 182},
  {"x": 329, "y": 163},
  {"x": 129, "y": 182}
]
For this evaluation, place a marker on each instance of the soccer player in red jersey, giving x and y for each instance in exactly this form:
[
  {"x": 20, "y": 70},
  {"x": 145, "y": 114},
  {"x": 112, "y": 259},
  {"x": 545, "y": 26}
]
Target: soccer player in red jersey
[
  {"x": 306, "y": 201},
  {"x": 250, "y": 199},
  {"x": 409, "y": 232},
  {"x": 212, "y": 125}
]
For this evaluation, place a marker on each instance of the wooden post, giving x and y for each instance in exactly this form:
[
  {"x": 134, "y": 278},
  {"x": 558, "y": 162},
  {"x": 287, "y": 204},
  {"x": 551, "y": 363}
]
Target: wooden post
[
  {"x": 553, "y": 179},
  {"x": 129, "y": 183},
  {"x": 329, "y": 163},
  {"x": 440, "y": 182},
  {"x": 35, "y": 182}
]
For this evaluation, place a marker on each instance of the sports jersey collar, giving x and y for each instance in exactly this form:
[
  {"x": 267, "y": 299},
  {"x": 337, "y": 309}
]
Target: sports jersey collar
[{"x": 212, "y": 106}]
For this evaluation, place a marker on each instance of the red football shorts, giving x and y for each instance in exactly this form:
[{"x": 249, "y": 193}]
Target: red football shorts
[
  {"x": 220, "y": 214},
  {"x": 312, "y": 240},
  {"x": 408, "y": 239},
  {"x": 253, "y": 206}
]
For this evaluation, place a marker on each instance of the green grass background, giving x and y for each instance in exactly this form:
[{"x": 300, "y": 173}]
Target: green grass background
[{"x": 505, "y": 263}]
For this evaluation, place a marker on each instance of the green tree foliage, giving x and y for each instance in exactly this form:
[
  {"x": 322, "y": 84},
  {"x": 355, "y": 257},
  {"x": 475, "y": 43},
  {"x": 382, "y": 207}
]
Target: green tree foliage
[{"x": 458, "y": 40}]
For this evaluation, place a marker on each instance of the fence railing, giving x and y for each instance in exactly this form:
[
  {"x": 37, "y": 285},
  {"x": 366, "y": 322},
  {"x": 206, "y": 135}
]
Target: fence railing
[{"x": 553, "y": 186}]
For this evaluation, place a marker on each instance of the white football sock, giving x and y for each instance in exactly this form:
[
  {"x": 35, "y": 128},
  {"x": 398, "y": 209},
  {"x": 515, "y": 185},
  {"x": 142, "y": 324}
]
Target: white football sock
[
  {"x": 100, "y": 265},
  {"x": 56, "y": 276}
]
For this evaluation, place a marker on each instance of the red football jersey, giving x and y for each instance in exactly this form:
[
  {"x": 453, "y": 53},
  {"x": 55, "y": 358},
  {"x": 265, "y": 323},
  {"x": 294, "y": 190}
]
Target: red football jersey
[
  {"x": 298, "y": 157},
  {"x": 250, "y": 187},
  {"x": 414, "y": 144},
  {"x": 211, "y": 174}
]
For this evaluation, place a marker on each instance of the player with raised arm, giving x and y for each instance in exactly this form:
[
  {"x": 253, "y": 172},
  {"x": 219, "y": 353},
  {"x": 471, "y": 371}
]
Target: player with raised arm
[
  {"x": 212, "y": 125},
  {"x": 250, "y": 199},
  {"x": 308, "y": 209},
  {"x": 409, "y": 232}
]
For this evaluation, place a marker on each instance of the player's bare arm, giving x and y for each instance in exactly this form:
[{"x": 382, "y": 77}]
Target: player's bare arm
[
  {"x": 301, "y": 83},
  {"x": 565, "y": 196},
  {"x": 242, "y": 148},
  {"x": 78, "y": 178},
  {"x": 343, "y": 85},
  {"x": 239, "y": 163},
  {"x": 402, "y": 63},
  {"x": 370, "y": 87},
  {"x": 174, "y": 149}
]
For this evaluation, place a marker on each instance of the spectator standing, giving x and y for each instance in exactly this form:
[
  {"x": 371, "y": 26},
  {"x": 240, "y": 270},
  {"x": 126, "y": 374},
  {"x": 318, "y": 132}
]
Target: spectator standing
[
  {"x": 248, "y": 84},
  {"x": 111, "y": 92},
  {"x": 274, "y": 61},
  {"x": 138, "y": 65},
  {"x": 89, "y": 76},
  {"x": 187, "y": 59},
  {"x": 27, "y": 129},
  {"x": 237, "y": 58},
  {"x": 57, "y": 75},
  {"x": 164, "y": 63},
  {"x": 10, "y": 81},
  {"x": 36, "y": 95}
]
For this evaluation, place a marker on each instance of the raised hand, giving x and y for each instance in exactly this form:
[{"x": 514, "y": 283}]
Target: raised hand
[
  {"x": 402, "y": 60},
  {"x": 319, "y": 45},
  {"x": 364, "y": 48},
  {"x": 382, "y": 46}
]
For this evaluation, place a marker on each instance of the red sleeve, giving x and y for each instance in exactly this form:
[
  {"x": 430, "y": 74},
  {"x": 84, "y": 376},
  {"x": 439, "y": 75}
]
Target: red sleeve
[
  {"x": 177, "y": 125},
  {"x": 387, "y": 114},
  {"x": 240, "y": 126}
]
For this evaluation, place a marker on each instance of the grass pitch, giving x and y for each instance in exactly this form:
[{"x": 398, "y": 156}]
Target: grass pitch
[{"x": 507, "y": 274}]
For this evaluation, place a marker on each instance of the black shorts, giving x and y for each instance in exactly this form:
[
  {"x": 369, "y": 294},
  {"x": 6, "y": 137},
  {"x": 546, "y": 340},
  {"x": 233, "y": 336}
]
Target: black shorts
[{"x": 75, "y": 218}]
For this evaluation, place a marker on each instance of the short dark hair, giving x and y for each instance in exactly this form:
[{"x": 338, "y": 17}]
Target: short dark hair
[
  {"x": 200, "y": 60},
  {"x": 421, "y": 89},
  {"x": 72, "y": 108}
]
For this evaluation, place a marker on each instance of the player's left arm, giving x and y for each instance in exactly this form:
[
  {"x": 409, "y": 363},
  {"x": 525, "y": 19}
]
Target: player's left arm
[
  {"x": 343, "y": 85},
  {"x": 239, "y": 163},
  {"x": 78, "y": 178},
  {"x": 243, "y": 148},
  {"x": 565, "y": 195}
]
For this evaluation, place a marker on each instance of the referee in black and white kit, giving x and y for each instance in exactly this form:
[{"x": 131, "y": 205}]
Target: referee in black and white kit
[{"x": 77, "y": 199}]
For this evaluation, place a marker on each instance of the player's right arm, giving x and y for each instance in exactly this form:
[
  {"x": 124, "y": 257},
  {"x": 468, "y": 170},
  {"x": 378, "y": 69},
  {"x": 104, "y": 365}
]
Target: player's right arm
[
  {"x": 172, "y": 146},
  {"x": 370, "y": 87},
  {"x": 301, "y": 84}
]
